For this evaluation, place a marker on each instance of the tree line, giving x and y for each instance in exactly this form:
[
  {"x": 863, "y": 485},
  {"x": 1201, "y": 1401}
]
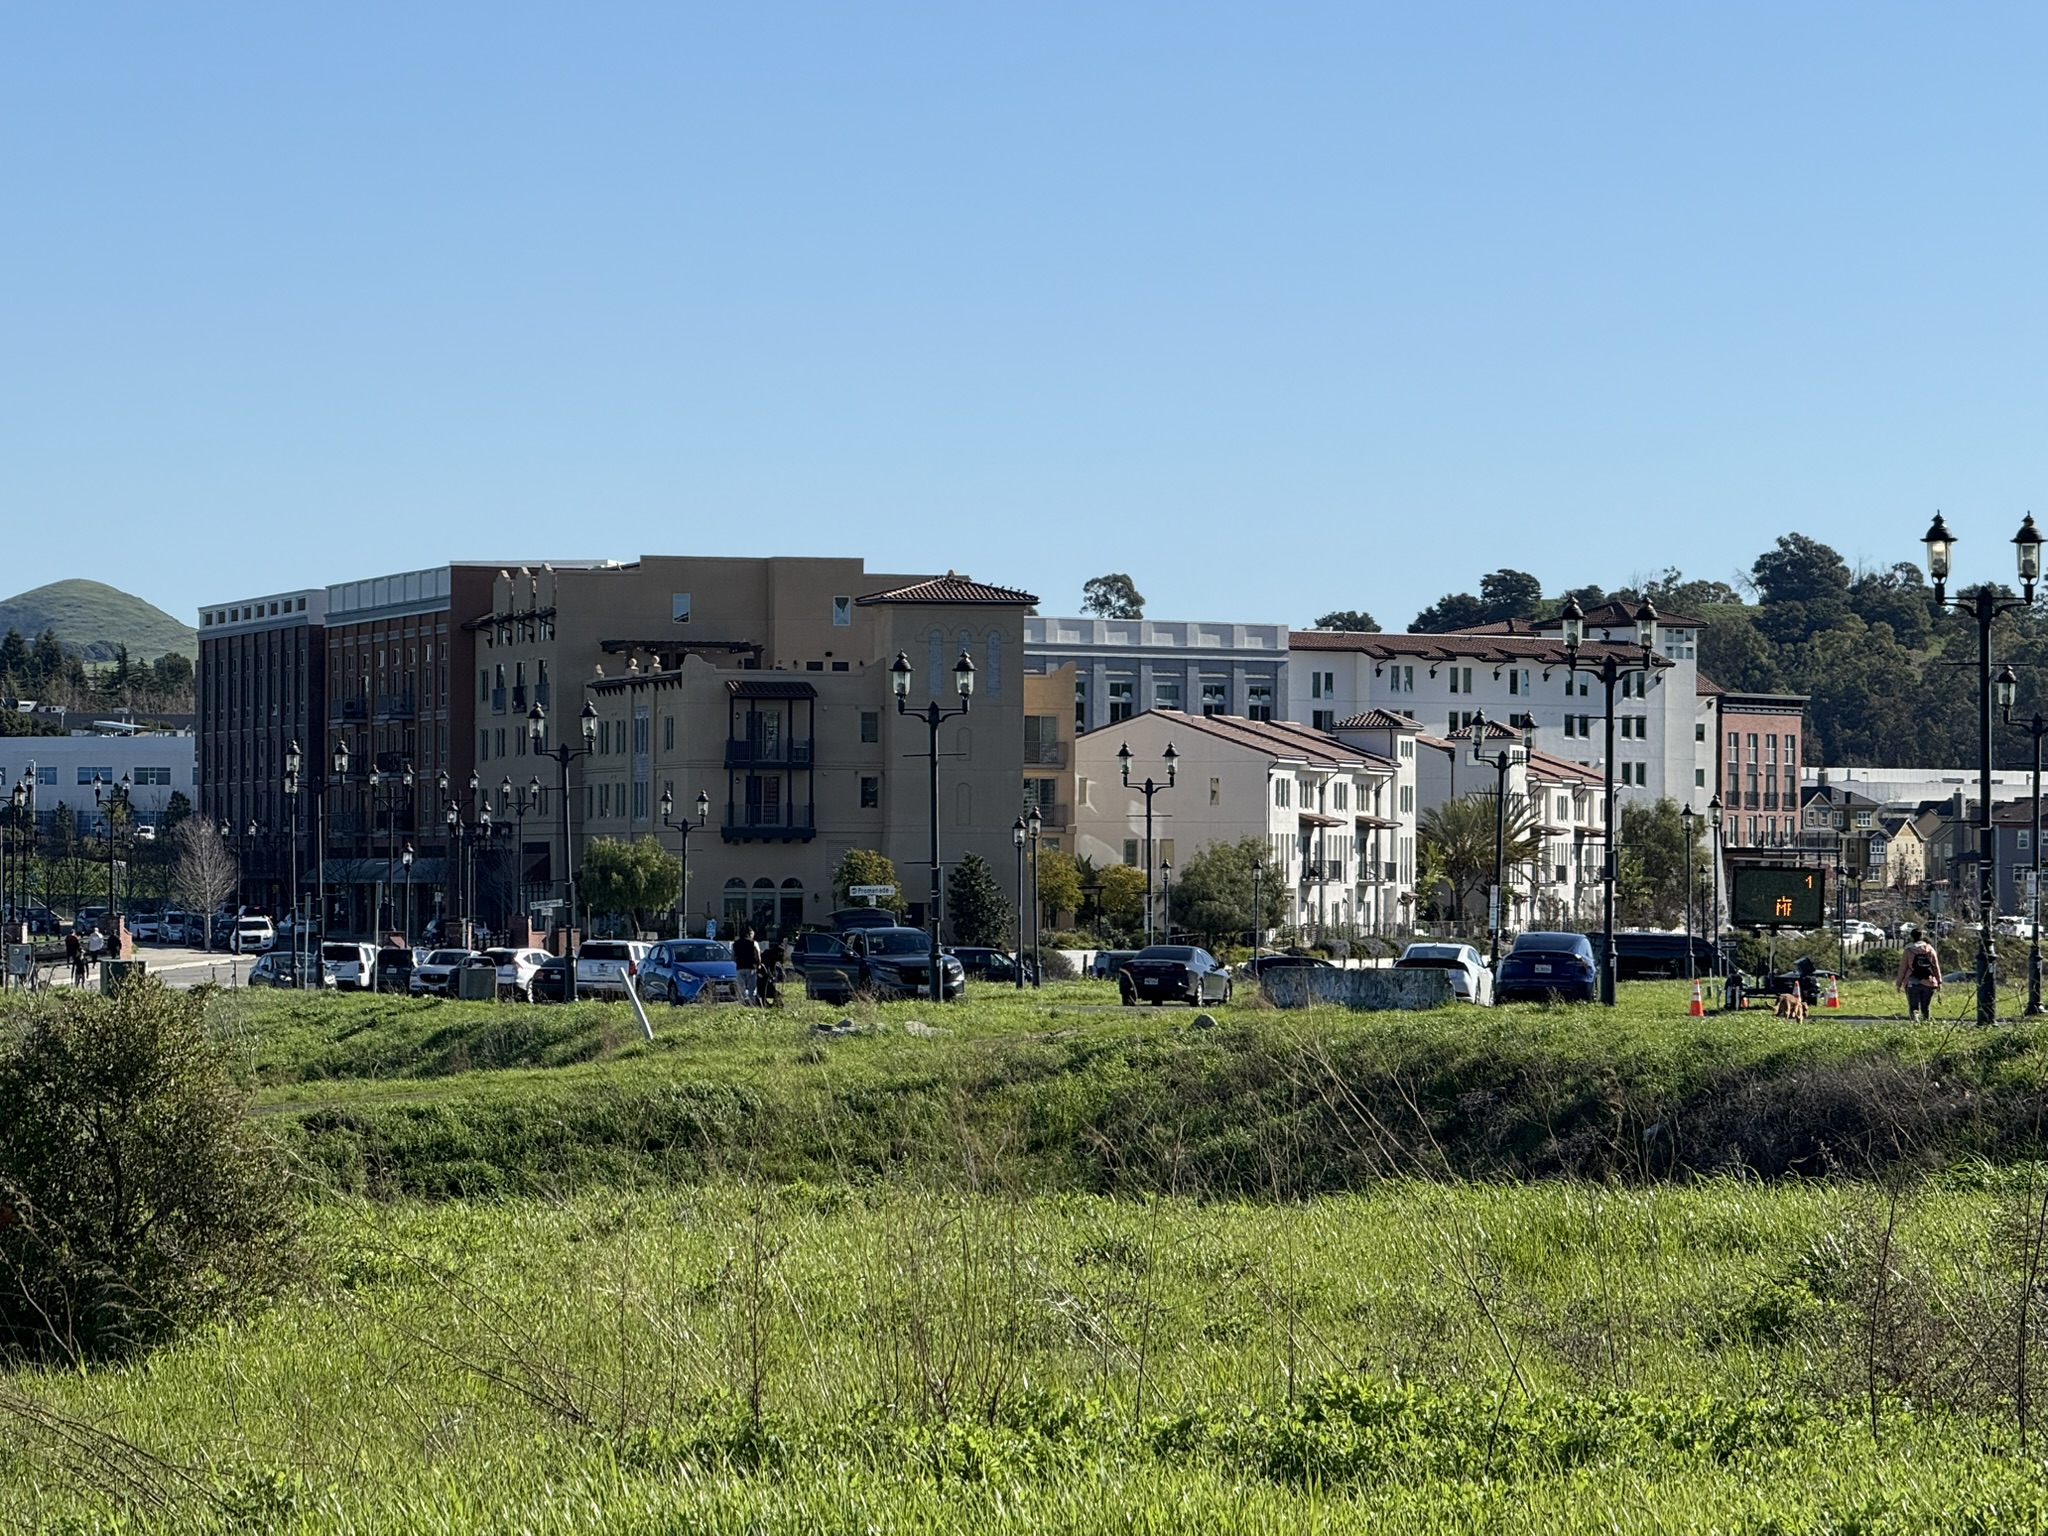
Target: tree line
[{"x": 42, "y": 670}]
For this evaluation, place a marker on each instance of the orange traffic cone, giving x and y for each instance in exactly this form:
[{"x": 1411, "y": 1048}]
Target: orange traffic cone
[
  {"x": 1698, "y": 1010},
  {"x": 1834, "y": 995}
]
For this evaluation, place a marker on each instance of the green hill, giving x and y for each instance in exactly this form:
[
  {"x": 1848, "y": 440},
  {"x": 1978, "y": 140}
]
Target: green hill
[{"x": 91, "y": 619}]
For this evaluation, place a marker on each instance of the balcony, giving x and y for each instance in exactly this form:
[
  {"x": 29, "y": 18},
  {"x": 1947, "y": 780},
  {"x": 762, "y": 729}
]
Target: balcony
[
  {"x": 519, "y": 697},
  {"x": 753, "y": 823},
  {"x": 1055, "y": 817},
  {"x": 760, "y": 754},
  {"x": 497, "y": 701},
  {"x": 1046, "y": 754},
  {"x": 394, "y": 706},
  {"x": 351, "y": 709}
]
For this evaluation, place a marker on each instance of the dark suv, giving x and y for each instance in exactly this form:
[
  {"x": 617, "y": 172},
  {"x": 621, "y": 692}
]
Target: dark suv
[{"x": 880, "y": 962}]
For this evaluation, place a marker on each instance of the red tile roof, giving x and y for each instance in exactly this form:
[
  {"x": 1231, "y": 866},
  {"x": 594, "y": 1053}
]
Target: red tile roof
[
  {"x": 952, "y": 588},
  {"x": 1497, "y": 650},
  {"x": 1276, "y": 737},
  {"x": 1599, "y": 616},
  {"x": 1377, "y": 720}
]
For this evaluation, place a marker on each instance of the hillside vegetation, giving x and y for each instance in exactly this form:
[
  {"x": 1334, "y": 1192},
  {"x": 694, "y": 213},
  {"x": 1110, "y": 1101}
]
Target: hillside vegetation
[{"x": 93, "y": 621}]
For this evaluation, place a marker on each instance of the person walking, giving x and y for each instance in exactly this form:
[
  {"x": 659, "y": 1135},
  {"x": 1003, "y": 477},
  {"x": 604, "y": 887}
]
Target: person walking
[
  {"x": 75, "y": 953},
  {"x": 1919, "y": 976},
  {"x": 746, "y": 960}
]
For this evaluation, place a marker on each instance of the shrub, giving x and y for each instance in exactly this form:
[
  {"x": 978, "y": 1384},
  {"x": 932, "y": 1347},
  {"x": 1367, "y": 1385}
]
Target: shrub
[
  {"x": 1882, "y": 961},
  {"x": 1053, "y": 965},
  {"x": 136, "y": 1196}
]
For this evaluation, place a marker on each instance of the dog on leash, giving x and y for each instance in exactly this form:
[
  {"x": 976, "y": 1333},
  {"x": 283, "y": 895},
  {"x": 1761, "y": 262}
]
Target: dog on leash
[{"x": 1791, "y": 1005}]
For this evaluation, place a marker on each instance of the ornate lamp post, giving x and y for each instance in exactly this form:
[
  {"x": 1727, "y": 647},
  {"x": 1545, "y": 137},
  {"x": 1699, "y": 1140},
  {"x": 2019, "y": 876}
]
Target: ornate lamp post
[
  {"x": 1018, "y": 836},
  {"x": 405, "y": 858},
  {"x": 526, "y": 800},
  {"x": 340, "y": 766},
  {"x": 292, "y": 763},
  {"x": 1610, "y": 669},
  {"x": 1166, "y": 894},
  {"x": 564, "y": 755},
  {"x": 1258, "y": 913},
  {"x": 1685, "y": 819},
  {"x": 1148, "y": 789},
  {"x": 933, "y": 716},
  {"x": 1984, "y": 604},
  {"x": 1500, "y": 762},
  {"x": 113, "y": 803},
  {"x": 668, "y": 805},
  {"x": 1714, "y": 822},
  {"x": 1034, "y": 824}
]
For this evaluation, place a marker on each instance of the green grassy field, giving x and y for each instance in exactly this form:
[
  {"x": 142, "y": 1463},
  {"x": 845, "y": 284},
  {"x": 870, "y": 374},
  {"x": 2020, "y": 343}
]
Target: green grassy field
[{"x": 1071, "y": 1267}]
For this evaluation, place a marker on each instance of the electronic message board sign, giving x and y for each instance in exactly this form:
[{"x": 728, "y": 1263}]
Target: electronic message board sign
[{"x": 1774, "y": 896}]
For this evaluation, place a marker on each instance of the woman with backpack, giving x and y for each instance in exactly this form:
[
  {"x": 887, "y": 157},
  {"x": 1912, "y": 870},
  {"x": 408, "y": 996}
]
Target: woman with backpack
[{"x": 1919, "y": 976}]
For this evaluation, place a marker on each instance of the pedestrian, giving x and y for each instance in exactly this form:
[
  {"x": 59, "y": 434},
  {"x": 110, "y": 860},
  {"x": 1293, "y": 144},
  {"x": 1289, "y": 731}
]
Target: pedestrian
[
  {"x": 1919, "y": 976},
  {"x": 773, "y": 958},
  {"x": 75, "y": 953},
  {"x": 95, "y": 945},
  {"x": 746, "y": 960}
]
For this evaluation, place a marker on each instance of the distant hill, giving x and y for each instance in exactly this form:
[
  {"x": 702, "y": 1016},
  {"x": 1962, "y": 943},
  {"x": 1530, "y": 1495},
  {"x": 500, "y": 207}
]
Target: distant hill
[{"x": 91, "y": 619}]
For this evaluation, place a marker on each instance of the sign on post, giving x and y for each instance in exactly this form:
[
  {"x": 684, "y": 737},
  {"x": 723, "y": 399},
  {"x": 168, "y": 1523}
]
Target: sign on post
[
  {"x": 1775, "y": 896},
  {"x": 873, "y": 893}
]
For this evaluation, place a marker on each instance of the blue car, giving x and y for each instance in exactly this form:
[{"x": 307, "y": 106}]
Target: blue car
[
  {"x": 689, "y": 971},
  {"x": 1542, "y": 966}
]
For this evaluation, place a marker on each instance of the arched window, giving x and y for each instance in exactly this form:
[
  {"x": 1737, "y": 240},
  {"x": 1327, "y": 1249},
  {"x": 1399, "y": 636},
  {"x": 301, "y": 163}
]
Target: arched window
[
  {"x": 992, "y": 674},
  {"x": 792, "y": 914},
  {"x": 963, "y": 803},
  {"x": 939, "y": 667},
  {"x": 735, "y": 903}
]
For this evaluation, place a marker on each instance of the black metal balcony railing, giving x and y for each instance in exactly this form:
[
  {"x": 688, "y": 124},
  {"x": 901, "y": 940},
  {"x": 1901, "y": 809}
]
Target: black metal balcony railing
[
  {"x": 1054, "y": 815},
  {"x": 1046, "y": 754},
  {"x": 778, "y": 754},
  {"x": 394, "y": 706},
  {"x": 787, "y": 822},
  {"x": 519, "y": 697},
  {"x": 497, "y": 701},
  {"x": 351, "y": 709}
]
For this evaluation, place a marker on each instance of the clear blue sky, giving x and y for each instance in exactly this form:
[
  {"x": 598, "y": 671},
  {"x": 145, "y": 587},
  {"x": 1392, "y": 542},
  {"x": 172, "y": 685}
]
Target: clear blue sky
[{"x": 1278, "y": 308}]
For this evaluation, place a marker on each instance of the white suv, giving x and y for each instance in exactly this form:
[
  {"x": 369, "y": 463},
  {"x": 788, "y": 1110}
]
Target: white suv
[
  {"x": 604, "y": 966},
  {"x": 252, "y": 936}
]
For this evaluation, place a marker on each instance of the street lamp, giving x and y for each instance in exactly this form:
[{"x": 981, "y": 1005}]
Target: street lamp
[
  {"x": 292, "y": 763},
  {"x": 1018, "y": 835},
  {"x": 1034, "y": 824},
  {"x": 340, "y": 766},
  {"x": 113, "y": 802},
  {"x": 1148, "y": 789},
  {"x": 2007, "y": 688},
  {"x": 1166, "y": 894},
  {"x": 1714, "y": 821},
  {"x": 1258, "y": 913},
  {"x": 564, "y": 754},
  {"x": 1611, "y": 669},
  {"x": 405, "y": 858},
  {"x": 528, "y": 799},
  {"x": 668, "y": 805},
  {"x": 933, "y": 716},
  {"x": 1985, "y": 604},
  {"x": 1500, "y": 762},
  {"x": 1685, "y": 819}
]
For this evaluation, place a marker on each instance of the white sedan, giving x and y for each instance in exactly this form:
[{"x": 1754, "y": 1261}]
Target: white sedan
[{"x": 1470, "y": 978}]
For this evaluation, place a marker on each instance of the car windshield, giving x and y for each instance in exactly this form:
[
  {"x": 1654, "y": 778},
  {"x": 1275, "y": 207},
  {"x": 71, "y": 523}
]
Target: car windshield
[
  {"x": 701, "y": 951},
  {"x": 603, "y": 952},
  {"x": 340, "y": 952},
  {"x": 1180, "y": 952},
  {"x": 448, "y": 957},
  {"x": 884, "y": 942},
  {"x": 503, "y": 956}
]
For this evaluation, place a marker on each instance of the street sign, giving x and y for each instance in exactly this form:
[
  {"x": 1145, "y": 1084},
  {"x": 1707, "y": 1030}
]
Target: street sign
[
  {"x": 1767, "y": 896},
  {"x": 872, "y": 892}
]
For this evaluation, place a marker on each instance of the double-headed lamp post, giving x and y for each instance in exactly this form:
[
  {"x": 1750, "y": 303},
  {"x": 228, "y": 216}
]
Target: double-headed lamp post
[
  {"x": 668, "y": 806},
  {"x": 564, "y": 755},
  {"x": 1034, "y": 825},
  {"x": 1258, "y": 913},
  {"x": 1610, "y": 669},
  {"x": 405, "y": 858},
  {"x": 1019, "y": 835},
  {"x": 1985, "y": 604},
  {"x": 1714, "y": 851},
  {"x": 293, "y": 760},
  {"x": 112, "y": 799},
  {"x": 1685, "y": 820},
  {"x": 1148, "y": 789},
  {"x": 933, "y": 716},
  {"x": 1500, "y": 762},
  {"x": 2008, "y": 687}
]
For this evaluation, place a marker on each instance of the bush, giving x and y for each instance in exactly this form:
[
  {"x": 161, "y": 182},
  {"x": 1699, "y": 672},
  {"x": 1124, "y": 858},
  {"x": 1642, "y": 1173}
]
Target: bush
[
  {"x": 136, "y": 1196},
  {"x": 1882, "y": 961},
  {"x": 1053, "y": 965}
]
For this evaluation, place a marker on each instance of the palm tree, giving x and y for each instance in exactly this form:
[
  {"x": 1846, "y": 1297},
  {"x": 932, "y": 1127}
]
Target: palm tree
[{"x": 1457, "y": 843}]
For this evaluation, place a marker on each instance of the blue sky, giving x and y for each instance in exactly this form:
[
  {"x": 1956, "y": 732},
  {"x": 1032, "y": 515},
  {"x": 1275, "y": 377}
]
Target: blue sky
[{"x": 1278, "y": 308}]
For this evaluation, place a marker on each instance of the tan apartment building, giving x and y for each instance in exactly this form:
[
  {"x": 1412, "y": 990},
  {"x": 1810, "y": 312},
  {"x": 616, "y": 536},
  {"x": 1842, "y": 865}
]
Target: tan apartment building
[
  {"x": 764, "y": 685},
  {"x": 1050, "y": 780}
]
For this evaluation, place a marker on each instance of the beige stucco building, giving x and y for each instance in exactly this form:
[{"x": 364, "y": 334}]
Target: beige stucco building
[{"x": 764, "y": 685}]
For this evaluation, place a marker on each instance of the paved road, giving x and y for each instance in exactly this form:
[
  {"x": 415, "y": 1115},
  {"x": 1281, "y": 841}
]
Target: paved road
[{"x": 177, "y": 966}]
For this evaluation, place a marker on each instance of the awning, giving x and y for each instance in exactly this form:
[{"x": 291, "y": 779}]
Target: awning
[
  {"x": 771, "y": 688},
  {"x": 1311, "y": 819},
  {"x": 1377, "y": 823}
]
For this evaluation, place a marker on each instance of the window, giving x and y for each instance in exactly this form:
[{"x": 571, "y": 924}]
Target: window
[
  {"x": 1215, "y": 698},
  {"x": 483, "y": 746},
  {"x": 1699, "y": 778},
  {"x": 152, "y": 776},
  {"x": 87, "y": 775},
  {"x": 1041, "y": 793},
  {"x": 1699, "y": 731},
  {"x": 1283, "y": 791},
  {"x": 1258, "y": 701},
  {"x": 1791, "y": 749},
  {"x": 1080, "y": 703},
  {"x": 483, "y": 685},
  {"x": 1324, "y": 719},
  {"x": 1322, "y": 685},
  {"x": 1120, "y": 694},
  {"x": 870, "y": 791},
  {"x": 842, "y": 612},
  {"x": 1131, "y": 851},
  {"x": 1340, "y": 796},
  {"x": 1407, "y": 797},
  {"x": 871, "y": 725},
  {"x": 679, "y": 607},
  {"x": 1401, "y": 679},
  {"x": 1461, "y": 679},
  {"x": 639, "y": 800},
  {"x": 1215, "y": 791},
  {"x": 1571, "y": 725},
  {"x": 1518, "y": 680},
  {"x": 1166, "y": 693}
]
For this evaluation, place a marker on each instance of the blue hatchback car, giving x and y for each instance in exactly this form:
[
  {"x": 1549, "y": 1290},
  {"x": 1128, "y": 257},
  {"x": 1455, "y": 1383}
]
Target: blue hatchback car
[
  {"x": 1542, "y": 966},
  {"x": 681, "y": 971}
]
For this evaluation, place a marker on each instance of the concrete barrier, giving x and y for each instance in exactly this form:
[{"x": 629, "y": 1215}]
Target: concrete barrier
[{"x": 1302, "y": 986}]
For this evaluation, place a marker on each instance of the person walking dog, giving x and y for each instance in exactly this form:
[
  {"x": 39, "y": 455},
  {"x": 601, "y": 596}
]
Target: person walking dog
[{"x": 1919, "y": 976}]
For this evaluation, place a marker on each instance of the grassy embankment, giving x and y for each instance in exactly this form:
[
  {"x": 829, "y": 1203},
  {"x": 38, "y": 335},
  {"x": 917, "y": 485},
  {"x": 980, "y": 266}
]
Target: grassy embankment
[{"x": 1054, "y": 1270}]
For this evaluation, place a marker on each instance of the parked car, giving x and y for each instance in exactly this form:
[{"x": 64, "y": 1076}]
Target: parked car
[
  {"x": 1260, "y": 966},
  {"x": 1109, "y": 962},
  {"x": 395, "y": 964},
  {"x": 435, "y": 975},
  {"x": 145, "y": 833},
  {"x": 689, "y": 971},
  {"x": 355, "y": 965},
  {"x": 605, "y": 966},
  {"x": 252, "y": 936},
  {"x": 549, "y": 980},
  {"x": 1548, "y": 965},
  {"x": 1640, "y": 954},
  {"x": 1470, "y": 978},
  {"x": 146, "y": 927},
  {"x": 847, "y": 918},
  {"x": 515, "y": 970},
  {"x": 881, "y": 962},
  {"x": 1857, "y": 931},
  {"x": 275, "y": 969},
  {"x": 983, "y": 963},
  {"x": 815, "y": 949},
  {"x": 1173, "y": 973},
  {"x": 177, "y": 928}
]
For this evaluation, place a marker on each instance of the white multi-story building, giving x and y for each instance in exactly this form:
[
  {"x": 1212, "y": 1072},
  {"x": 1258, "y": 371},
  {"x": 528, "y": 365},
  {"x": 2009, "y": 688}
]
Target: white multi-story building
[
  {"x": 1519, "y": 674},
  {"x": 1123, "y": 667},
  {"x": 64, "y": 770},
  {"x": 1336, "y": 810}
]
